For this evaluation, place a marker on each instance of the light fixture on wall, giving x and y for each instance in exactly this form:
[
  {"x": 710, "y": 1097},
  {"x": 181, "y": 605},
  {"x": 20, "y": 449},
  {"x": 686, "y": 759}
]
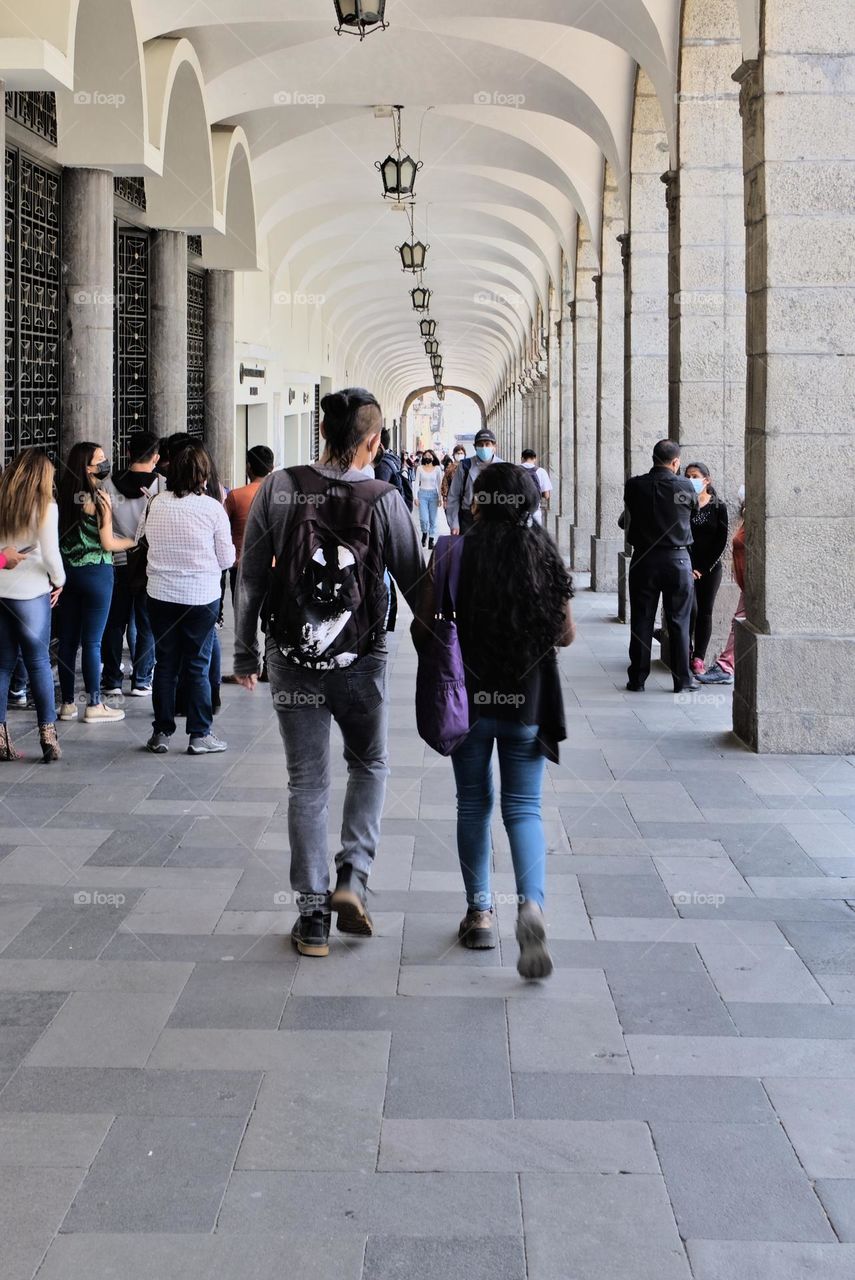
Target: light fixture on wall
[
  {"x": 360, "y": 17},
  {"x": 421, "y": 297},
  {"x": 432, "y": 346},
  {"x": 398, "y": 171},
  {"x": 428, "y": 328},
  {"x": 413, "y": 252}
]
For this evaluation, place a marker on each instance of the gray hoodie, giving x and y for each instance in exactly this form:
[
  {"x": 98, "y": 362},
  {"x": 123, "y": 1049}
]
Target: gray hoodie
[{"x": 265, "y": 538}]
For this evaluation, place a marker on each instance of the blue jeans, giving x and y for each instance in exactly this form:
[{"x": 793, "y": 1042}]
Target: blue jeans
[
  {"x": 183, "y": 639},
  {"x": 127, "y": 613},
  {"x": 84, "y": 607},
  {"x": 25, "y": 631},
  {"x": 521, "y": 768},
  {"x": 428, "y": 506}
]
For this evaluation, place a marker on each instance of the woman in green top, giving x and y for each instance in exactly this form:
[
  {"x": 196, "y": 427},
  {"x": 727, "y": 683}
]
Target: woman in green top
[{"x": 87, "y": 543}]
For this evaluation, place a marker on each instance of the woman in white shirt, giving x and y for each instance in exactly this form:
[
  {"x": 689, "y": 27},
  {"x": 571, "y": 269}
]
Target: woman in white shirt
[
  {"x": 428, "y": 483},
  {"x": 28, "y": 520},
  {"x": 189, "y": 545}
]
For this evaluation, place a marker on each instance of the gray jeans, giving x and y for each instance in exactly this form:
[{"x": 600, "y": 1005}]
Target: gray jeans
[{"x": 306, "y": 703}]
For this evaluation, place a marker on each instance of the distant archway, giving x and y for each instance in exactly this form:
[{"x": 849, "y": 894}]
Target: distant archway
[{"x": 424, "y": 391}]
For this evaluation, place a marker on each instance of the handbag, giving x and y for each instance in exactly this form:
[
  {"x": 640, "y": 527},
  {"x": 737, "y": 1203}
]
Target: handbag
[
  {"x": 137, "y": 560},
  {"x": 442, "y": 703}
]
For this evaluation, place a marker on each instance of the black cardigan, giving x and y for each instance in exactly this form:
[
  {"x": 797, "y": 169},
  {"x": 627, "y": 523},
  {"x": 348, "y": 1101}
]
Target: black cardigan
[{"x": 709, "y": 531}]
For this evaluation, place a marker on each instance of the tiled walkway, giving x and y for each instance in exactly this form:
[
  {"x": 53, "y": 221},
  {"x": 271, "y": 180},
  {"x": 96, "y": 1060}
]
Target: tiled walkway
[{"x": 183, "y": 1100}]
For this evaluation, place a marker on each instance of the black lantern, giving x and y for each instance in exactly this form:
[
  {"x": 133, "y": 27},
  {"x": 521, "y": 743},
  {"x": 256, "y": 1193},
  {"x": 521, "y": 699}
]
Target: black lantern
[
  {"x": 428, "y": 328},
  {"x": 421, "y": 297},
  {"x": 432, "y": 346},
  {"x": 398, "y": 171},
  {"x": 436, "y": 364},
  {"x": 413, "y": 255},
  {"x": 360, "y": 17}
]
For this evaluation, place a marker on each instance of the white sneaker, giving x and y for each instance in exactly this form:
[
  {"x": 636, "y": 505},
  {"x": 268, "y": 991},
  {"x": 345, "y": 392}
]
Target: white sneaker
[
  {"x": 97, "y": 713},
  {"x": 141, "y": 691},
  {"x": 67, "y": 711},
  {"x": 206, "y": 746}
]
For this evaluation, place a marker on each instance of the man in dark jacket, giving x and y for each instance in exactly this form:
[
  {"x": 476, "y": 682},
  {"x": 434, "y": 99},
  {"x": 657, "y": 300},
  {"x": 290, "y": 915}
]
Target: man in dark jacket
[
  {"x": 657, "y": 520},
  {"x": 387, "y": 467}
]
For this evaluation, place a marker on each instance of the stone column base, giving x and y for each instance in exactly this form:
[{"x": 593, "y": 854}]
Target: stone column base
[
  {"x": 580, "y": 548},
  {"x": 789, "y": 695},
  {"x": 623, "y": 585},
  {"x": 561, "y": 532},
  {"x": 604, "y": 565}
]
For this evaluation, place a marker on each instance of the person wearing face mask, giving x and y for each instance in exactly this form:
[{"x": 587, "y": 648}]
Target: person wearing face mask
[
  {"x": 458, "y": 454},
  {"x": 428, "y": 481},
  {"x": 332, "y": 530},
  {"x": 709, "y": 540},
  {"x": 87, "y": 542},
  {"x": 459, "y": 507}
]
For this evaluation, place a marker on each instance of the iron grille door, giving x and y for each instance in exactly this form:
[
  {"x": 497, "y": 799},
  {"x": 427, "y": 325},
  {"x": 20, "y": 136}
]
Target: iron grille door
[
  {"x": 196, "y": 354},
  {"x": 33, "y": 306},
  {"x": 130, "y": 402},
  {"x": 316, "y": 424}
]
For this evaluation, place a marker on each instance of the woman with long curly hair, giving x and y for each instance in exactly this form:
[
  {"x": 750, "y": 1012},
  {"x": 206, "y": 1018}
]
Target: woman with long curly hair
[
  {"x": 28, "y": 520},
  {"x": 513, "y": 609}
]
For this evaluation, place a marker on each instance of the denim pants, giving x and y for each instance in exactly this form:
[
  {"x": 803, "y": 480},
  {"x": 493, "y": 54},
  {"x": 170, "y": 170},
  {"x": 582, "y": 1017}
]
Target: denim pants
[
  {"x": 127, "y": 613},
  {"x": 306, "y": 703},
  {"x": 521, "y": 768},
  {"x": 428, "y": 507},
  {"x": 84, "y": 607},
  {"x": 183, "y": 639},
  {"x": 25, "y": 631}
]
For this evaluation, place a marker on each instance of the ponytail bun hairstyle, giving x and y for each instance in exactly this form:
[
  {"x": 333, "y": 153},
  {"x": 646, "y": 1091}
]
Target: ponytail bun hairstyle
[{"x": 349, "y": 416}]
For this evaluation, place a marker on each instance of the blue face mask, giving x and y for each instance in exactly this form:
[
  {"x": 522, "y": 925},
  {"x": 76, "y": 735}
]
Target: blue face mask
[
  {"x": 484, "y": 452},
  {"x": 697, "y": 484}
]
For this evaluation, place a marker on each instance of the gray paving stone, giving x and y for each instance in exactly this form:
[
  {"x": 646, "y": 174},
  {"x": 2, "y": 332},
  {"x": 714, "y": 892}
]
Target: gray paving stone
[
  {"x": 565, "y": 1146},
  {"x": 838, "y": 1199},
  {"x": 811, "y": 1021},
  {"x": 819, "y": 1117},
  {"x": 157, "y": 1174},
  {"x": 669, "y": 1099},
  {"x": 30, "y": 1008},
  {"x": 354, "y": 965},
  {"x": 625, "y": 896},
  {"x": 726, "y": 1260},
  {"x": 472, "y": 1256},
  {"x": 741, "y": 1056},
  {"x": 669, "y": 1003},
  {"x": 768, "y": 909},
  {"x": 641, "y": 929},
  {"x": 70, "y": 932},
  {"x": 635, "y": 957},
  {"x": 55, "y": 976},
  {"x": 428, "y": 1074},
  {"x": 228, "y": 995},
  {"x": 234, "y": 1050},
  {"x": 283, "y": 1129},
  {"x": 825, "y": 948},
  {"x": 571, "y": 1036},
  {"x": 51, "y": 1141},
  {"x": 131, "y": 1091},
  {"x": 431, "y": 938},
  {"x": 103, "y": 1029},
  {"x": 153, "y": 1256},
  {"x": 200, "y": 947},
  {"x": 760, "y": 974},
  {"x": 406, "y": 1204},
  {"x": 15, "y": 1044},
  {"x": 33, "y": 1203},
  {"x": 609, "y": 1225},
  {"x": 737, "y": 1182}
]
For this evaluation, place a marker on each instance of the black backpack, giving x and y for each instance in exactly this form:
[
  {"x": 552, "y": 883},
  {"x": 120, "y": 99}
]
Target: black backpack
[
  {"x": 327, "y": 600},
  {"x": 388, "y": 467}
]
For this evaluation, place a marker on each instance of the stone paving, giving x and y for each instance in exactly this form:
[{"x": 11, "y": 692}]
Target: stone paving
[{"x": 183, "y": 1099}]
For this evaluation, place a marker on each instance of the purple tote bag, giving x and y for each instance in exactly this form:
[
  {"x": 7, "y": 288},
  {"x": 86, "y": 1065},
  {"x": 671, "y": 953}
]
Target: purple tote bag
[{"x": 442, "y": 705}]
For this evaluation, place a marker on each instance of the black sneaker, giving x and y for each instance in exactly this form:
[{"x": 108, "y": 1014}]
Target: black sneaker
[
  {"x": 349, "y": 900},
  {"x": 311, "y": 934},
  {"x": 477, "y": 930}
]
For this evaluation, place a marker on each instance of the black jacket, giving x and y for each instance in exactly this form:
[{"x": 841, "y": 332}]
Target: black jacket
[
  {"x": 658, "y": 508},
  {"x": 709, "y": 530}
]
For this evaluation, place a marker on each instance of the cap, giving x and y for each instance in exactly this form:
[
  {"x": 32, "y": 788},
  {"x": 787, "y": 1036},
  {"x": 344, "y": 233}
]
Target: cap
[{"x": 485, "y": 434}]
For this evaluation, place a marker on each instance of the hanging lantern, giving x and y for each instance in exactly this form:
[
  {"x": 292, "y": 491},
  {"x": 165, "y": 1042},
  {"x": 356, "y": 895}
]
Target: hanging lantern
[
  {"x": 428, "y": 328},
  {"x": 436, "y": 364},
  {"x": 413, "y": 255},
  {"x": 421, "y": 297},
  {"x": 360, "y": 17},
  {"x": 432, "y": 346},
  {"x": 398, "y": 171}
]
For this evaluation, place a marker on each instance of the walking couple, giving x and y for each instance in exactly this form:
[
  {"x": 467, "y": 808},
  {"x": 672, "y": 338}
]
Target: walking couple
[{"x": 320, "y": 543}]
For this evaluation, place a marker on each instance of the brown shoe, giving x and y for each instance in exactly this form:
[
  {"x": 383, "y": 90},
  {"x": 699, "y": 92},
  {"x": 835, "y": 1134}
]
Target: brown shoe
[
  {"x": 49, "y": 742},
  {"x": 477, "y": 931},
  {"x": 7, "y": 747}
]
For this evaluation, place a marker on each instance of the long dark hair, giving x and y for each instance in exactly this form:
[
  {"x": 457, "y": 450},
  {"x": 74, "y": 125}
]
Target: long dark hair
[
  {"x": 349, "y": 416},
  {"x": 189, "y": 470},
  {"x": 706, "y": 473},
  {"x": 76, "y": 486},
  {"x": 514, "y": 586}
]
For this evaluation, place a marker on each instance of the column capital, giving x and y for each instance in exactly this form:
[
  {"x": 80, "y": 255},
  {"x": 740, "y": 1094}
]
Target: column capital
[
  {"x": 671, "y": 179},
  {"x": 623, "y": 241},
  {"x": 748, "y": 75},
  {"x": 597, "y": 282}
]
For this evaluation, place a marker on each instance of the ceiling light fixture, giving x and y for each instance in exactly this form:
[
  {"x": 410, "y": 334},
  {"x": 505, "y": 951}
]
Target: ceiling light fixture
[{"x": 360, "y": 17}]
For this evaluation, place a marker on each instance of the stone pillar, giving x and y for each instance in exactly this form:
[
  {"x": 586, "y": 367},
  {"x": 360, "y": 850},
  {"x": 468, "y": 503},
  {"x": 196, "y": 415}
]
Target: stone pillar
[
  {"x": 565, "y": 485},
  {"x": 517, "y": 420},
  {"x": 795, "y": 652},
  {"x": 624, "y": 556},
  {"x": 220, "y": 370},
  {"x": 608, "y": 540},
  {"x": 585, "y": 363},
  {"x": 87, "y": 349},
  {"x": 552, "y": 453},
  {"x": 168, "y": 329}
]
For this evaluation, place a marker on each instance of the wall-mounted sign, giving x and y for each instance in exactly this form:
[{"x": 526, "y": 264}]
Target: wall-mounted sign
[{"x": 251, "y": 371}]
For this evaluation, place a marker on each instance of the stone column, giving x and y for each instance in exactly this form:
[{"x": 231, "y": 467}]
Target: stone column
[
  {"x": 220, "y": 370},
  {"x": 3, "y": 280},
  {"x": 168, "y": 329},
  {"x": 585, "y": 362},
  {"x": 624, "y": 556},
  {"x": 564, "y": 482},
  {"x": 608, "y": 541},
  {"x": 87, "y": 349},
  {"x": 552, "y": 453},
  {"x": 795, "y": 652}
]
